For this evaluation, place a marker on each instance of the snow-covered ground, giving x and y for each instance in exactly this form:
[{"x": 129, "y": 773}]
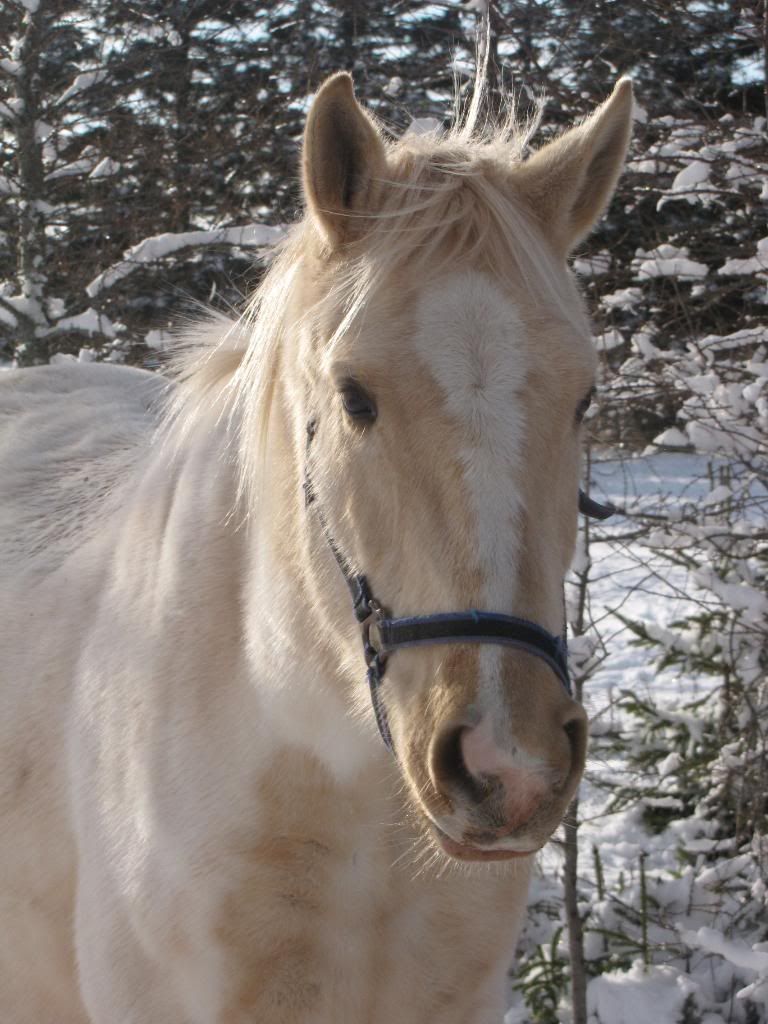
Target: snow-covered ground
[
  {"x": 678, "y": 959},
  {"x": 640, "y": 584}
]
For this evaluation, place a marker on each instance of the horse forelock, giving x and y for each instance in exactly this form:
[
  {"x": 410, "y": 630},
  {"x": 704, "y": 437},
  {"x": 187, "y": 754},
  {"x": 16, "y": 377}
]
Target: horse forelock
[{"x": 449, "y": 201}]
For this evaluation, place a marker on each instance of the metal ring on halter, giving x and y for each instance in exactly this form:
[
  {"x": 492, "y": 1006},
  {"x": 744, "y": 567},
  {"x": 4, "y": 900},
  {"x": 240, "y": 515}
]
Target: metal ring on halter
[{"x": 373, "y": 648}]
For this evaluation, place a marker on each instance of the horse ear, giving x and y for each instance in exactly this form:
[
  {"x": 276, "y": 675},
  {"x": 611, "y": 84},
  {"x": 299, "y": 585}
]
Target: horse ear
[
  {"x": 343, "y": 161},
  {"x": 570, "y": 181}
]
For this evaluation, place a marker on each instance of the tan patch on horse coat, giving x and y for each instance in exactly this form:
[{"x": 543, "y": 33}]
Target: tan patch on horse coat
[{"x": 264, "y": 924}]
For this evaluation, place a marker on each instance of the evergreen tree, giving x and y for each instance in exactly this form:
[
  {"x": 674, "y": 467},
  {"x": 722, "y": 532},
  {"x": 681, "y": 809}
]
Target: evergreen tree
[{"x": 48, "y": 143}]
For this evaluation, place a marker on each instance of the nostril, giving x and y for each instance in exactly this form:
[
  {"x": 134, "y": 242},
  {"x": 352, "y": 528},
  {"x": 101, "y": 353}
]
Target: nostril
[
  {"x": 449, "y": 768},
  {"x": 576, "y": 731},
  {"x": 447, "y": 758},
  {"x": 572, "y": 732}
]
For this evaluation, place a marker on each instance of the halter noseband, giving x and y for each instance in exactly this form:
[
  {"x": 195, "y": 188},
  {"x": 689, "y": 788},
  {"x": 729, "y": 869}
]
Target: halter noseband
[{"x": 382, "y": 634}]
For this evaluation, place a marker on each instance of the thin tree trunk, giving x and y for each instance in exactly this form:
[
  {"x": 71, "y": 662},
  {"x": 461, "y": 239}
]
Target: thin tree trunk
[
  {"x": 31, "y": 243},
  {"x": 352, "y": 28},
  {"x": 183, "y": 130},
  {"x": 573, "y": 916},
  {"x": 488, "y": 28},
  {"x": 571, "y": 880}
]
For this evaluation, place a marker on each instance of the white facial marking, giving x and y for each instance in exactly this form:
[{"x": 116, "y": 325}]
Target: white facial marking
[{"x": 471, "y": 337}]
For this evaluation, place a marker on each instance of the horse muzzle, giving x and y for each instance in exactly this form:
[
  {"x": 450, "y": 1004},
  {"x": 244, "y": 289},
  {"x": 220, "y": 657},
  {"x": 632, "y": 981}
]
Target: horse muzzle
[{"x": 503, "y": 801}]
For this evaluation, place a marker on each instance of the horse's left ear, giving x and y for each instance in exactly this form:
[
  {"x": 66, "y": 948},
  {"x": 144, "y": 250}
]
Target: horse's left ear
[
  {"x": 571, "y": 180},
  {"x": 343, "y": 162}
]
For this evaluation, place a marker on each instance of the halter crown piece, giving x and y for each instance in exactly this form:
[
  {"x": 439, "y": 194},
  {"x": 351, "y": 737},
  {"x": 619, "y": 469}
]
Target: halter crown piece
[{"x": 382, "y": 634}]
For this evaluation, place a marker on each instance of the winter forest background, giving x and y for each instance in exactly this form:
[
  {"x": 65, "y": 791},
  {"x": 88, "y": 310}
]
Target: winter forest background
[{"x": 148, "y": 155}]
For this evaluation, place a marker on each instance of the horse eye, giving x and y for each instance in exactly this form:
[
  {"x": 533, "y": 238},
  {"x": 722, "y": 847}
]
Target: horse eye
[
  {"x": 358, "y": 404},
  {"x": 584, "y": 404}
]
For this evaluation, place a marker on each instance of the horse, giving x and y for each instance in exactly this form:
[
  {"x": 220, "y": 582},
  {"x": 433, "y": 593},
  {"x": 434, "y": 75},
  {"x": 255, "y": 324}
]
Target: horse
[{"x": 376, "y": 465}]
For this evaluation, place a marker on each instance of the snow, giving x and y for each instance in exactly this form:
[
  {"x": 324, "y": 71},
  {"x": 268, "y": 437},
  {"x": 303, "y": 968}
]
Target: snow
[
  {"x": 393, "y": 86},
  {"x": 85, "y": 80},
  {"x": 594, "y": 265},
  {"x": 642, "y": 343},
  {"x": 157, "y": 247},
  {"x": 11, "y": 107},
  {"x": 42, "y": 130},
  {"x": 667, "y": 261},
  {"x": 424, "y": 126},
  {"x": 722, "y": 872},
  {"x": 623, "y": 298},
  {"x": 718, "y": 495},
  {"x": 54, "y": 308},
  {"x": 738, "y": 173},
  {"x": 158, "y": 339},
  {"x": 743, "y": 140},
  {"x": 734, "y": 595},
  {"x": 743, "y": 338},
  {"x": 80, "y": 166},
  {"x": 694, "y": 174},
  {"x": 691, "y": 183},
  {"x": 105, "y": 168},
  {"x": 639, "y": 113},
  {"x": 609, "y": 340},
  {"x": 88, "y": 322},
  {"x": 672, "y": 438},
  {"x": 754, "y": 959},
  {"x": 6, "y": 317},
  {"x": 750, "y": 264},
  {"x": 649, "y": 165},
  {"x": 27, "y": 305},
  {"x": 641, "y": 995}
]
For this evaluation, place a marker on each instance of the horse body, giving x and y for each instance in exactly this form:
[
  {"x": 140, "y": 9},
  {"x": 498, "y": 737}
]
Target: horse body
[{"x": 205, "y": 826}]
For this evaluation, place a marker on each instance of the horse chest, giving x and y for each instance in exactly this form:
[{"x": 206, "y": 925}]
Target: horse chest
[{"x": 330, "y": 924}]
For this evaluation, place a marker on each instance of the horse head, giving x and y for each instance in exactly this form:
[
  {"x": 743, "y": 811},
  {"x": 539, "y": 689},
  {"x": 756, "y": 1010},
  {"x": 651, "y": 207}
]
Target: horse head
[{"x": 444, "y": 364}]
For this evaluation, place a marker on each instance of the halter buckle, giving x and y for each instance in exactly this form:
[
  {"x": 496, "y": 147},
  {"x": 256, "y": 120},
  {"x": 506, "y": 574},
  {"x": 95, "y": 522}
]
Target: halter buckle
[{"x": 373, "y": 647}]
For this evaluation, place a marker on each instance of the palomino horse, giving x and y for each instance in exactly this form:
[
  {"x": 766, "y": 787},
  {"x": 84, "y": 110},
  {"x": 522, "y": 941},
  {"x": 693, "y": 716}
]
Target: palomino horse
[{"x": 200, "y": 823}]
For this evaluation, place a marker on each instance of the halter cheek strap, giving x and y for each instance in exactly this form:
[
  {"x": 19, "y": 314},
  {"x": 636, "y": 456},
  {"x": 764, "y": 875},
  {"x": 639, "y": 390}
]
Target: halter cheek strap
[
  {"x": 383, "y": 634},
  {"x": 594, "y": 509}
]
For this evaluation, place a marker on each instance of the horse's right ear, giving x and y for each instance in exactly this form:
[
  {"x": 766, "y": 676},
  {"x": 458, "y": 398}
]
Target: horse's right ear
[
  {"x": 343, "y": 161},
  {"x": 571, "y": 180}
]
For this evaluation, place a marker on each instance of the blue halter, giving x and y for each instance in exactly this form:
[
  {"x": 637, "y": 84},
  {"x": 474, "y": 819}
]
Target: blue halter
[{"x": 382, "y": 634}]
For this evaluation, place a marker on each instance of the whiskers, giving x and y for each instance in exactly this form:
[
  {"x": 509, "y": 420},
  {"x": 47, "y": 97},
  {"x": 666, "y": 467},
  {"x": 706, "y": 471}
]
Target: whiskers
[{"x": 419, "y": 855}]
